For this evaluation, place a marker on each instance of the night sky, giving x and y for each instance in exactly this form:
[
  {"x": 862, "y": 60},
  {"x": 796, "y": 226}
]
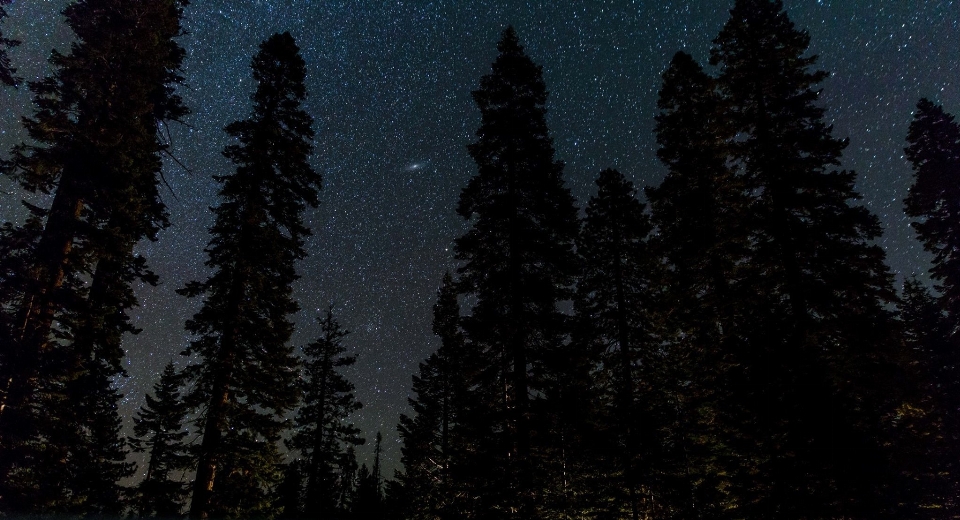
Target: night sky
[{"x": 390, "y": 85}]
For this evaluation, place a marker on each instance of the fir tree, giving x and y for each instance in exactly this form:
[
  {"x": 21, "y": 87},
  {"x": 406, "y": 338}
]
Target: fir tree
[
  {"x": 934, "y": 203},
  {"x": 290, "y": 492},
  {"x": 615, "y": 310},
  {"x": 817, "y": 356},
  {"x": 95, "y": 148},
  {"x": 429, "y": 448},
  {"x": 160, "y": 433},
  {"x": 244, "y": 380},
  {"x": 519, "y": 265},
  {"x": 700, "y": 211},
  {"x": 7, "y": 73},
  {"x": 369, "y": 503},
  {"x": 934, "y": 200},
  {"x": 926, "y": 452},
  {"x": 323, "y": 432}
]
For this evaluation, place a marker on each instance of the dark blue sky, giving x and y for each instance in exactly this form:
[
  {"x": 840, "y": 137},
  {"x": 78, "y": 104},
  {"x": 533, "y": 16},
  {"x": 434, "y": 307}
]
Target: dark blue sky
[{"x": 390, "y": 84}]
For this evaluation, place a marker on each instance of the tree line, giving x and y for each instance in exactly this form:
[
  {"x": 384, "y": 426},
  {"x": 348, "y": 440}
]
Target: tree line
[{"x": 729, "y": 346}]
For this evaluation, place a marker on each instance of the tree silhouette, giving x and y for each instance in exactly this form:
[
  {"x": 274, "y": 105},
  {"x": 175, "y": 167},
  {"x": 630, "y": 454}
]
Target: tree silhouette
[
  {"x": 518, "y": 264},
  {"x": 934, "y": 203},
  {"x": 244, "y": 380},
  {"x": 323, "y": 433},
  {"x": 822, "y": 335},
  {"x": 160, "y": 431},
  {"x": 95, "y": 147},
  {"x": 615, "y": 307},
  {"x": 432, "y": 445}
]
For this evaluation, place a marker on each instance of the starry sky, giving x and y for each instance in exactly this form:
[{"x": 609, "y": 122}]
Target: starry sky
[{"x": 390, "y": 84}]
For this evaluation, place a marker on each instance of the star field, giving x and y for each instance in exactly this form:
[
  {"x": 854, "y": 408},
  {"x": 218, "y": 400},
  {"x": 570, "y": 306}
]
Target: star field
[{"x": 390, "y": 85}]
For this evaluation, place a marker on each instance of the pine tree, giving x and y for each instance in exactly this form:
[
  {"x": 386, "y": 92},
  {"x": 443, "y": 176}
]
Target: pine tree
[
  {"x": 926, "y": 452},
  {"x": 934, "y": 203},
  {"x": 700, "y": 212},
  {"x": 160, "y": 433},
  {"x": 369, "y": 503},
  {"x": 290, "y": 492},
  {"x": 245, "y": 377},
  {"x": 519, "y": 265},
  {"x": 616, "y": 322},
  {"x": 817, "y": 360},
  {"x": 345, "y": 480},
  {"x": 323, "y": 433},
  {"x": 7, "y": 73},
  {"x": 95, "y": 148},
  {"x": 430, "y": 447}
]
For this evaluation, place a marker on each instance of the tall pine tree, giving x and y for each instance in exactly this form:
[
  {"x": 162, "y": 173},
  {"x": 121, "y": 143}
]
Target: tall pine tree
[
  {"x": 818, "y": 355},
  {"x": 518, "y": 265},
  {"x": 245, "y": 379},
  {"x": 431, "y": 447},
  {"x": 96, "y": 149},
  {"x": 323, "y": 432},
  {"x": 615, "y": 307},
  {"x": 934, "y": 203},
  {"x": 700, "y": 212},
  {"x": 160, "y": 429}
]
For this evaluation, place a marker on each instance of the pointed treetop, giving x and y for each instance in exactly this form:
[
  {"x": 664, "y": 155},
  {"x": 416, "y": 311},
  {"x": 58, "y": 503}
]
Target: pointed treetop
[
  {"x": 509, "y": 41},
  {"x": 760, "y": 40},
  {"x": 279, "y": 57}
]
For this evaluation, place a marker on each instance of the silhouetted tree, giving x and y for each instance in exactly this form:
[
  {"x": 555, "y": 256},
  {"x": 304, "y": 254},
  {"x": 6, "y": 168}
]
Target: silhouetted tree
[
  {"x": 518, "y": 266},
  {"x": 700, "y": 211},
  {"x": 245, "y": 377},
  {"x": 430, "y": 447},
  {"x": 934, "y": 203},
  {"x": 95, "y": 148},
  {"x": 323, "y": 432},
  {"x": 617, "y": 324},
  {"x": 160, "y": 431},
  {"x": 369, "y": 503},
  {"x": 816, "y": 366},
  {"x": 926, "y": 453},
  {"x": 290, "y": 492},
  {"x": 7, "y": 73}
]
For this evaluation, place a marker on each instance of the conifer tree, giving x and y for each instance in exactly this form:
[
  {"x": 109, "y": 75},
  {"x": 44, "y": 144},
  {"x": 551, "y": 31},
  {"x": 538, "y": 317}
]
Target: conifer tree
[
  {"x": 817, "y": 359},
  {"x": 323, "y": 433},
  {"x": 700, "y": 212},
  {"x": 160, "y": 431},
  {"x": 95, "y": 148},
  {"x": 430, "y": 449},
  {"x": 345, "y": 480},
  {"x": 7, "y": 73},
  {"x": 369, "y": 503},
  {"x": 616, "y": 322},
  {"x": 519, "y": 265},
  {"x": 290, "y": 492},
  {"x": 934, "y": 200},
  {"x": 245, "y": 378},
  {"x": 926, "y": 451},
  {"x": 934, "y": 203}
]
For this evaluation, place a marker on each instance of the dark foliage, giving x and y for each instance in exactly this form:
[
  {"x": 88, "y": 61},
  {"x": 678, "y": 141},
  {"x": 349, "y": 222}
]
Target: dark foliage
[
  {"x": 518, "y": 264},
  {"x": 813, "y": 365},
  {"x": 616, "y": 327},
  {"x": 161, "y": 431},
  {"x": 95, "y": 147},
  {"x": 934, "y": 203},
  {"x": 324, "y": 436},
  {"x": 244, "y": 380},
  {"x": 700, "y": 211},
  {"x": 433, "y": 445}
]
